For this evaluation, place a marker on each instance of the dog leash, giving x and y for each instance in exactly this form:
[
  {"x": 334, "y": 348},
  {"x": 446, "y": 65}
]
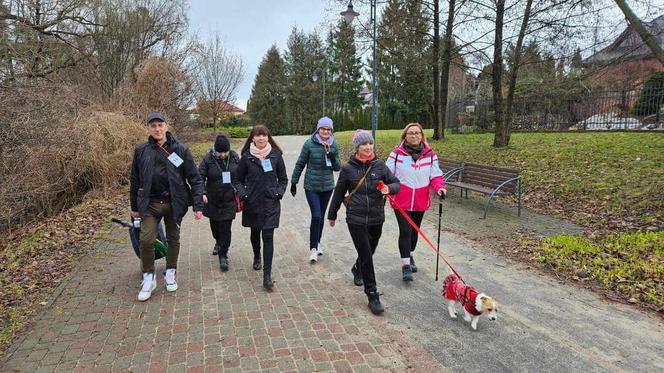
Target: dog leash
[{"x": 419, "y": 231}]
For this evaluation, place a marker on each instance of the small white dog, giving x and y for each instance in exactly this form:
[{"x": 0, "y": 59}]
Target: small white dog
[{"x": 474, "y": 304}]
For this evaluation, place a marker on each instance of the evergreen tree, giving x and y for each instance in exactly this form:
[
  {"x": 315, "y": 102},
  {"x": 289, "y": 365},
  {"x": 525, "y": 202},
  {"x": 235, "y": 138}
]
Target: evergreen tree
[
  {"x": 267, "y": 103},
  {"x": 403, "y": 66},
  {"x": 344, "y": 70},
  {"x": 305, "y": 62}
]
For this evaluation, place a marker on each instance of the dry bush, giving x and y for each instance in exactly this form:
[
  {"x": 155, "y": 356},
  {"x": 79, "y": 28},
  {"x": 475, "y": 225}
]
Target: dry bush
[
  {"x": 160, "y": 86},
  {"x": 54, "y": 150}
]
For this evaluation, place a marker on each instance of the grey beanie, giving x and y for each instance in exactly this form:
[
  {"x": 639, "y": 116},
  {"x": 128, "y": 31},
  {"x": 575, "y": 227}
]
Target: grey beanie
[{"x": 361, "y": 137}]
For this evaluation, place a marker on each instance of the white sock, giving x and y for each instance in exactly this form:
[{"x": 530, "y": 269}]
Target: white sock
[{"x": 405, "y": 261}]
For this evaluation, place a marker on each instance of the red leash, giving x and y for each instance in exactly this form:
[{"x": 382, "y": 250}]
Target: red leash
[{"x": 419, "y": 231}]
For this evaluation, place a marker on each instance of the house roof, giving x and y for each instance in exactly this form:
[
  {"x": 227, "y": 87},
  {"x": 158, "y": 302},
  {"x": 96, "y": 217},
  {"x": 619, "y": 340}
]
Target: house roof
[{"x": 628, "y": 45}]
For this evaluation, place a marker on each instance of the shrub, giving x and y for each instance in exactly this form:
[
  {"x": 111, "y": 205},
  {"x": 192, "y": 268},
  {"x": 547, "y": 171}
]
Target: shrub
[
  {"x": 652, "y": 95},
  {"x": 237, "y": 132}
]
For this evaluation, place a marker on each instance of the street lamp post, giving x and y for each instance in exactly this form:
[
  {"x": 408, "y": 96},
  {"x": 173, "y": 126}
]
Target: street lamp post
[{"x": 349, "y": 15}]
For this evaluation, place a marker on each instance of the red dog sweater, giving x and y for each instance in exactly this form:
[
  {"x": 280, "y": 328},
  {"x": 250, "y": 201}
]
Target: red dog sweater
[{"x": 454, "y": 290}]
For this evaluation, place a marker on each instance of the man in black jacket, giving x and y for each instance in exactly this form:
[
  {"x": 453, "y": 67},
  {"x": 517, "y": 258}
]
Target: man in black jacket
[{"x": 164, "y": 183}]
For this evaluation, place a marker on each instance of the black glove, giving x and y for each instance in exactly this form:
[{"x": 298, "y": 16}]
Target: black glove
[{"x": 293, "y": 189}]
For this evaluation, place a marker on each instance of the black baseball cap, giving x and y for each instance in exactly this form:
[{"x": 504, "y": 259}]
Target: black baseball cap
[{"x": 155, "y": 116}]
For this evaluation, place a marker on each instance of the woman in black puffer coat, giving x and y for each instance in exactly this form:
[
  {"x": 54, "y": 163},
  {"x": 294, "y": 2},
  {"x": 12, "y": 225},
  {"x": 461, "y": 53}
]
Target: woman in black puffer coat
[
  {"x": 262, "y": 182},
  {"x": 219, "y": 171},
  {"x": 365, "y": 212}
]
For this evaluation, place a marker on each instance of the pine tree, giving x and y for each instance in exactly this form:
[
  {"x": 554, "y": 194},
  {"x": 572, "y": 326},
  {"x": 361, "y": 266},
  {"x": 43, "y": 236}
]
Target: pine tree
[
  {"x": 267, "y": 103},
  {"x": 305, "y": 62},
  {"x": 344, "y": 70}
]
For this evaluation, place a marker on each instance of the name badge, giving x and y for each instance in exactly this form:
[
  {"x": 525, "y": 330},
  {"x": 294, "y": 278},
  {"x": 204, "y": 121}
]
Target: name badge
[
  {"x": 226, "y": 177},
  {"x": 328, "y": 162},
  {"x": 175, "y": 159},
  {"x": 267, "y": 165}
]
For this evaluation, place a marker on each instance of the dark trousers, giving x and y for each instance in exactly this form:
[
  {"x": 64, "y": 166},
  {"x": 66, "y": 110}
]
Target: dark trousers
[
  {"x": 317, "y": 204},
  {"x": 157, "y": 211},
  {"x": 221, "y": 231},
  {"x": 365, "y": 238},
  {"x": 407, "y": 234},
  {"x": 268, "y": 246}
]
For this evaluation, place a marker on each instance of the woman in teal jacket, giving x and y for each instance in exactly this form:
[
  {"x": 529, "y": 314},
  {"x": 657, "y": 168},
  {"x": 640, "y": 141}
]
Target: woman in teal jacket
[{"x": 321, "y": 157}]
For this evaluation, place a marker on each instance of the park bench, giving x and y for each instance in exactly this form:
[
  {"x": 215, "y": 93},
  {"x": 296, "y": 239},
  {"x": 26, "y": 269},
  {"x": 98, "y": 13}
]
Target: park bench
[{"x": 488, "y": 180}]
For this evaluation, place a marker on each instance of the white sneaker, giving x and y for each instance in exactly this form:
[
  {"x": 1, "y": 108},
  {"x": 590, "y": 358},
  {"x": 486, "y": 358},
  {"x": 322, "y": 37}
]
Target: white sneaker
[
  {"x": 320, "y": 249},
  {"x": 169, "y": 277},
  {"x": 313, "y": 257},
  {"x": 147, "y": 287}
]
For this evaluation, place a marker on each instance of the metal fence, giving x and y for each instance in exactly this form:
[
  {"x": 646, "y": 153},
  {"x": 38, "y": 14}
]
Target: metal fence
[{"x": 629, "y": 109}]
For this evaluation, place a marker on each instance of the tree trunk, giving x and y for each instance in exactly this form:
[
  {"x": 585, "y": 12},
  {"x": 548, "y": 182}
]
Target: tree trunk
[
  {"x": 439, "y": 128},
  {"x": 643, "y": 33},
  {"x": 499, "y": 138},
  {"x": 447, "y": 61},
  {"x": 515, "y": 70}
]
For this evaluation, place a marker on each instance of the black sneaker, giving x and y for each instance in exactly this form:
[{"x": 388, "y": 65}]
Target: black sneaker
[
  {"x": 412, "y": 265},
  {"x": 267, "y": 282},
  {"x": 407, "y": 273},
  {"x": 215, "y": 249},
  {"x": 257, "y": 262},
  {"x": 374, "y": 303},
  {"x": 223, "y": 263},
  {"x": 357, "y": 276}
]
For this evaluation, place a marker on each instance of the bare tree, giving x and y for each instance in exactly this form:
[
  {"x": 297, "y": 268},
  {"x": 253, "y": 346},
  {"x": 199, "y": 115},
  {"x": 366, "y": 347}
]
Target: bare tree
[
  {"x": 220, "y": 74},
  {"x": 447, "y": 61}
]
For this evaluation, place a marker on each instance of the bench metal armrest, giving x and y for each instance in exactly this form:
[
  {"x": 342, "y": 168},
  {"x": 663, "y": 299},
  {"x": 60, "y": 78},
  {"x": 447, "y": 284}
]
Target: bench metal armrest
[
  {"x": 505, "y": 182},
  {"x": 452, "y": 172}
]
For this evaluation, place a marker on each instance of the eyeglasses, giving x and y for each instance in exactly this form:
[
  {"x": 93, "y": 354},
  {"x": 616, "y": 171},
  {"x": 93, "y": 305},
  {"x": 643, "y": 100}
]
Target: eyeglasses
[
  {"x": 413, "y": 133},
  {"x": 325, "y": 129}
]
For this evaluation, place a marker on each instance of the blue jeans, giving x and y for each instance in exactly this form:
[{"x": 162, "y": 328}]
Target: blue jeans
[{"x": 317, "y": 204}]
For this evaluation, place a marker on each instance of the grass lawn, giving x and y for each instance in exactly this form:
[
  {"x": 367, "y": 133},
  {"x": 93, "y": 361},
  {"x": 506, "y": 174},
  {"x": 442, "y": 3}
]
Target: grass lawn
[{"x": 609, "y": 182}]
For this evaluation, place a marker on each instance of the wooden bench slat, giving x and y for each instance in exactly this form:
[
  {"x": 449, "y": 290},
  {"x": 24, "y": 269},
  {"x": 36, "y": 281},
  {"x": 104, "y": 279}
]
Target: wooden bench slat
[
  {"x": 500, "y": 169},
  {"x": 477, "y": 188},
  {"x": 491, "y": 174}
]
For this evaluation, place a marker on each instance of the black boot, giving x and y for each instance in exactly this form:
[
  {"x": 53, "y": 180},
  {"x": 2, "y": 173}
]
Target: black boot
[
  {"x": 407, "y": 273},
  {"x": 267, "y": 281},
  {"x": 223, "y": 262},
  {"x": 412, "y": 264},
  {"x": 215, "y": 249},
  {"x": 374, "y": 303},
  {"x": 257, "y": 261},
  {"x": 357, "y": 276}
]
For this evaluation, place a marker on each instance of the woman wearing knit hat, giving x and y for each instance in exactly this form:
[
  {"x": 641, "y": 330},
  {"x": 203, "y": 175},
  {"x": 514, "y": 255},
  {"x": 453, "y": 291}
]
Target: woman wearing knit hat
[
  {"x": 367, "y": 179},
  {"x": 219, "y": 170},
  {"x": 416, "y": 166},
  {"x": 262, "y": 182},
  {"x": 320, "y": 156}
]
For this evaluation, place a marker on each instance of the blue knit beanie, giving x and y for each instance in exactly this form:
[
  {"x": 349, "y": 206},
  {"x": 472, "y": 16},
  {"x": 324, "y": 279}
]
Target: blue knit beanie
[{"x": 324, "y": 122}]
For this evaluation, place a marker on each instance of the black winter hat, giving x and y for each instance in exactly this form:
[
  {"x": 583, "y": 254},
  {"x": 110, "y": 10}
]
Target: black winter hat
[{"x": 221, "y": 144}]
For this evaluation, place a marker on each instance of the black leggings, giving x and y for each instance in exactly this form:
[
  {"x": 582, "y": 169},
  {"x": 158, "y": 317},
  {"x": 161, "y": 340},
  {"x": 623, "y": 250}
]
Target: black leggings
[
  {"x": 365, "y": 238},
  {"x": 221, "y": 231},
  {"x": 408, "y": 235},
  {"x": 268, "y": 246}
]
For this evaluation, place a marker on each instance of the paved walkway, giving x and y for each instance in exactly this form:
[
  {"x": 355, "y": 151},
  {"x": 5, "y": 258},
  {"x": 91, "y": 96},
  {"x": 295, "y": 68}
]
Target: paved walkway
[{"x": 316, "y": 320}]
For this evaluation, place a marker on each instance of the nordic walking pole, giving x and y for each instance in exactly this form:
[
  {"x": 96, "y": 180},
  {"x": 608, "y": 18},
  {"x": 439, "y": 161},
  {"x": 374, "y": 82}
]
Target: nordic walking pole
[{"x": 440, "y": 214}]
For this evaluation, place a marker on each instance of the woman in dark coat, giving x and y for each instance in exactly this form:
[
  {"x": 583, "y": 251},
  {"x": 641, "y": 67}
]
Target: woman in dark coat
[
  {"x": 219, "y": 170},
  {"x": 262, "y": 182},
  {"x": 365, "y": 212}
]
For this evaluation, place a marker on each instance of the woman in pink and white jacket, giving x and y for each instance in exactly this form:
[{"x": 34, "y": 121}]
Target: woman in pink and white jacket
[{"x": 415, "y": 164}]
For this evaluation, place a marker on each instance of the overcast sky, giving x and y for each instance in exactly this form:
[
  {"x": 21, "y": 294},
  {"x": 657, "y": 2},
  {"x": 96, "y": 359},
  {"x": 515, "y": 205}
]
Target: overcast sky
[{"x": 250, "y": 27}]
